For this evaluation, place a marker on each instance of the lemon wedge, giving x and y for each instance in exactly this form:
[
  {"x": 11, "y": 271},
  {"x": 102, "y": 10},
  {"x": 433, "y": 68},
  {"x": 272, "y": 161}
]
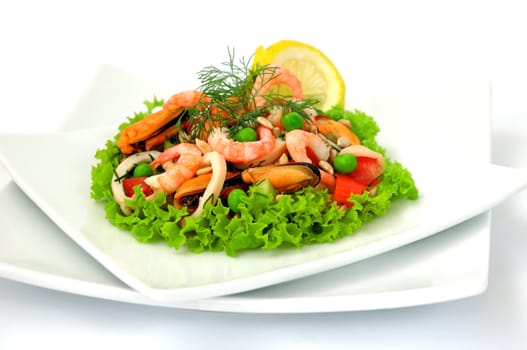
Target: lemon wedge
[{"x": 319, "y": 77}]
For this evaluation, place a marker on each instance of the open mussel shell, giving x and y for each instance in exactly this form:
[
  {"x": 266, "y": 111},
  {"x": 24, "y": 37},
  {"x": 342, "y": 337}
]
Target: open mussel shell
[
  {"x": 190, "y": 191},
  {"x": 285, "y": 178}
]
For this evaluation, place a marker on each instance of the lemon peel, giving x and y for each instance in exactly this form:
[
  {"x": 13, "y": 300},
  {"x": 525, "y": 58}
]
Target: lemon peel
[{"x": 320, "y": 78}]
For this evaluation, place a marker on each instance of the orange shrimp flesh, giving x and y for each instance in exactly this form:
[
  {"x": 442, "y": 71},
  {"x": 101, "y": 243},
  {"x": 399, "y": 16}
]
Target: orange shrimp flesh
[
  {"x": 298, "y": 141},
  {"x": 188, "y": 160},
  {"x": 276, "y": 78},
  {"x": 185, "y": 99},
  {"x": 240, "y": 152}
]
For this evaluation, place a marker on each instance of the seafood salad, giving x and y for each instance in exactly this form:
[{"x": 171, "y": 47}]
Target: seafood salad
[{"x": 246, "y": 161}]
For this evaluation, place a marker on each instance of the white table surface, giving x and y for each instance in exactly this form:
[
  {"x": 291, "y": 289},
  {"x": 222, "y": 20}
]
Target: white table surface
[{"x": 50, "y": 50}]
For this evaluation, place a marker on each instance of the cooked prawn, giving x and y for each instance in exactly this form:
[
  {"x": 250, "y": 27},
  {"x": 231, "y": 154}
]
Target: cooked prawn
[
  {"x": 297, "y": 142},
  {"x": 184, "y": 99},
  {"x": 188, "y": 160},
  {"x": 276, "y": 76},
  {"x": 240, "y": 152}
]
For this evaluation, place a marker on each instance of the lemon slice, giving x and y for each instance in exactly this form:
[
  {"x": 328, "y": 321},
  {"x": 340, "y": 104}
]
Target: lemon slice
[{"x": 319, "y": 77}]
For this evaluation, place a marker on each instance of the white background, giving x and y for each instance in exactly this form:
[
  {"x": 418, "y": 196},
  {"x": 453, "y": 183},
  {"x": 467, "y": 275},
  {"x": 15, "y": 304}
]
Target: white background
[{"x": 50, "y": 50}]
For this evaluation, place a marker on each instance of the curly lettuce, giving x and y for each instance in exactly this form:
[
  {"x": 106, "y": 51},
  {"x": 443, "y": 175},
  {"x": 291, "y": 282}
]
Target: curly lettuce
[{"x": 306, "y": 217}]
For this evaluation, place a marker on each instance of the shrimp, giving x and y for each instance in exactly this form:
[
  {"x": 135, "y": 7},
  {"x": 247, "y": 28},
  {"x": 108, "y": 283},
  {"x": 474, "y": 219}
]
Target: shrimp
[
  {"x": 239, "y": 152},
  {"x": 297, "y": 142},
  {"x": 184, "y": 99},
  {"x": 201, "y": 102},
  {"x": 189, "y": 160},
  {"x": 276, "y": 76}
]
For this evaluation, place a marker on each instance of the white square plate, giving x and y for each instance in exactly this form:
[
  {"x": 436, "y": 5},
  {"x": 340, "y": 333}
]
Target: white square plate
[
  {"x": 34, "y": 250},
  {"x": 171, "y": 277}
]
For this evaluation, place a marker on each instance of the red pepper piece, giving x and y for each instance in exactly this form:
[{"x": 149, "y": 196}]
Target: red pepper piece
[{"x": 129, "y": 184}]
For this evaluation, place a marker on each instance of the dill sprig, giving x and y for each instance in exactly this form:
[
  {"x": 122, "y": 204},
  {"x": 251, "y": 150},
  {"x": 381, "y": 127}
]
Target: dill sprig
[
  {"x": 222, "y": 84},
  {"x": 229, "y": 98}
]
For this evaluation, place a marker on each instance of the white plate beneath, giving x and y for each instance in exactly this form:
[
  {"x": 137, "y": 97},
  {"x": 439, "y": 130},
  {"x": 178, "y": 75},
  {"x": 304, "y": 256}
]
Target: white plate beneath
[{"x": 458, "y": 105}]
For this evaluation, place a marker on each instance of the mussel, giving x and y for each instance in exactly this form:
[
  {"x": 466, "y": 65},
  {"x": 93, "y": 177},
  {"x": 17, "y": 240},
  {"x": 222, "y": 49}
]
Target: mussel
[
  {"x": 152, "y": 130},
  {"x": 189, "y": 193},
  {"x": 333, "y": 130},
  {"x": 148, "y": 132},
  {"x": 285, "y": 178}
]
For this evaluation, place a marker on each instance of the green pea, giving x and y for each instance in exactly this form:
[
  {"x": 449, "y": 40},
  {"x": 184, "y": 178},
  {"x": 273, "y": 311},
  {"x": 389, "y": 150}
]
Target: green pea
[
  {"x": 234, "y": 199},
  {"x": 292, "y": 121},
  {"x": 142, "y": 169},
  {"x": 245, "y": 135},
  {"x": 345, "y": 163}
]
